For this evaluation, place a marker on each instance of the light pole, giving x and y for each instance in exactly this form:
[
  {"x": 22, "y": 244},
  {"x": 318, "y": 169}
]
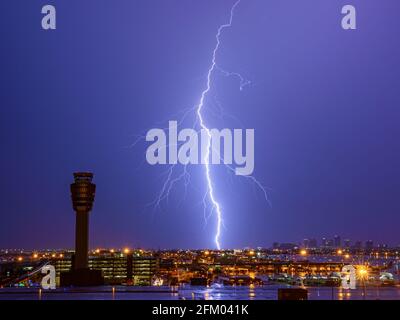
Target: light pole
[{"x": 363, "y": 274}]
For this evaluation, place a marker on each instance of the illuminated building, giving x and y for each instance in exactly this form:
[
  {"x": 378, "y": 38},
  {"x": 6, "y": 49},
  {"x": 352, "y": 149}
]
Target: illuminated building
[
  {"x": 369, "y": 245},
  {"x": 337, "y": 241},
  {"x": 358, "y": 245},
  {"x": 117, "y": 268},
  {"x": 143, "y": 269}
]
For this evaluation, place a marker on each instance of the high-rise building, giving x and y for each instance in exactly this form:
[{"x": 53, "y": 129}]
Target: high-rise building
[
  {"x": 337, "y": 241},
  {"x": 326, "y": 243},
  {"x": 369, "y": 245},
  {"x": 347, "y": 243},
  {"x": 275, "y": 245},
  {"x": 358, "y": 245},
  {"x": 306, "y": 243},
  {"x": 313, "y": 243}
]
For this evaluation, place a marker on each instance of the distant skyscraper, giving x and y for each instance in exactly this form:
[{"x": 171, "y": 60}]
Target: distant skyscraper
[
  {"x": 313, "y": 243},
  {"x": 306, "y": 243},
  {"x": 337, "y": 241},
  {"x": 347, "y": 243},
  {"x": 358, "y": 245},
  {"x": 369, "y": 245}
]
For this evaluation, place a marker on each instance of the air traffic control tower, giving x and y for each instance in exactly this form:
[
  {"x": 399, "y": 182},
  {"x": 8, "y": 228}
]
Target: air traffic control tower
[{"x": 82, "y": 194}]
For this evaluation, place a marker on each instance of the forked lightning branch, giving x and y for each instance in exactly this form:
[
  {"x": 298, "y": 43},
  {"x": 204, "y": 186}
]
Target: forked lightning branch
[{"x": 233, "y": 148}]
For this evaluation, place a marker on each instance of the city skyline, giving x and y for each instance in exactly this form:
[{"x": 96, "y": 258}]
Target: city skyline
[{"x": 355, "y": 243}]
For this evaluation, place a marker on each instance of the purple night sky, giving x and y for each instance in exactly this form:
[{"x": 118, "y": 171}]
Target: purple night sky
[{"x": 324, "y": 103}]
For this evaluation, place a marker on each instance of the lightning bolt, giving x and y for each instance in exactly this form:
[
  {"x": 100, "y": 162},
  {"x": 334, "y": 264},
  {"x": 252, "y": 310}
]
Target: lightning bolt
[
  {"x": 206, "y": 160},
  {"x": 173, "y": 176}
]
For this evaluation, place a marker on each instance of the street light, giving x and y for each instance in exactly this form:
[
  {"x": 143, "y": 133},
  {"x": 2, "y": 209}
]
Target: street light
[{"x": 363, "y": 274}]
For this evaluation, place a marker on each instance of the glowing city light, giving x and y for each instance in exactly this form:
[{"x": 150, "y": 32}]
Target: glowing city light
[{"x": 363, "y": 272}]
